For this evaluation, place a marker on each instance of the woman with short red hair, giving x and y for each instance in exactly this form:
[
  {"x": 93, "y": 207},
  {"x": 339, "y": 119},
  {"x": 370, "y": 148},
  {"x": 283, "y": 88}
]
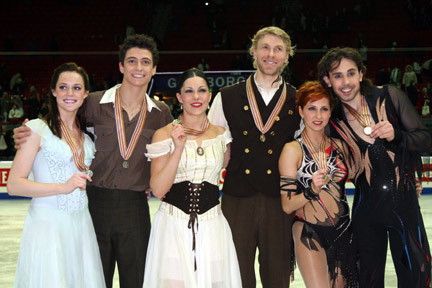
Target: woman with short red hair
[{"x": 313, "y": 173}]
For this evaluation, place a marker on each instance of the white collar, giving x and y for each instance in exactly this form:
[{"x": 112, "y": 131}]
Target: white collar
[
  {"x": 278, "y": 83},
  {"x": 109, "y": 97}
]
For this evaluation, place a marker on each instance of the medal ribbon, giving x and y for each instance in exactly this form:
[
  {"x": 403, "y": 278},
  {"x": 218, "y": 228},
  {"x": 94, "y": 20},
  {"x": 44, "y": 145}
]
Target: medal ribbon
[
  {"x": 76, "y": 147},
  {"x": 126, "y": 150},
  {"x": 363, "y": 117},
  {"x": 321, "y": 159},
  {"x": 191, "y": 131},
  {"x": 255, "y": 111}
]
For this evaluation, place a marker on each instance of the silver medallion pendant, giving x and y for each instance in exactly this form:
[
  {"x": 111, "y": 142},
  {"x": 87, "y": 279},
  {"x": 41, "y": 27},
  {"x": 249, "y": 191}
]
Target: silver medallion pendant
[
  {"x": 262, "y": 138},
  {"x": 367, "y": 130},
  {"x": 200, "y": 151},
  {"x": 89, "y": 172},
  {"x": 125, "y": 164}
]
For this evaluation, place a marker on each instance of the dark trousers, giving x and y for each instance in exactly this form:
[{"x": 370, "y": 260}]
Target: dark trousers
[
  {"x": 408, "y": 244},
  {"x": 121, "y": 220},
  {"x": 259, "y": 222}
]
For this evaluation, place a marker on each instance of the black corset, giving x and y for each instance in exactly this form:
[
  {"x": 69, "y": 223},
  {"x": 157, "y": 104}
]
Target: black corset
[{"x": 193, "y": 198}]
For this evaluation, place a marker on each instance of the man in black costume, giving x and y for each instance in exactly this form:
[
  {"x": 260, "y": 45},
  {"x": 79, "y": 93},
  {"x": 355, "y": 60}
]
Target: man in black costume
[{"x": 386, "y": 138}]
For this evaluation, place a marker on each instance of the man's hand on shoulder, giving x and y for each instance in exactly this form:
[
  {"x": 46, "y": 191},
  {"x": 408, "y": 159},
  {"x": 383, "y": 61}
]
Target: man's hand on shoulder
[{"x": 21, "y": 134}]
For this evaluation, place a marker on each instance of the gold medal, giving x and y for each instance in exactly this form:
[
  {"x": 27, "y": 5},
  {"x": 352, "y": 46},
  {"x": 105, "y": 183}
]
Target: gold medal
[{"x": 262, "y": 138}]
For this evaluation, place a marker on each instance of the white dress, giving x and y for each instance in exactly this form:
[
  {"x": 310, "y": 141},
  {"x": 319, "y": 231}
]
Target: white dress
[
  {"x": 170, "y": 260},
  {"x": 58, "y": 245}
]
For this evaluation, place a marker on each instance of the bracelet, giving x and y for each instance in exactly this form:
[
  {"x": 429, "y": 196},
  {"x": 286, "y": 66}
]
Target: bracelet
[
  {"x": 309, "y": 194},
  {"x": 288, "y": 185}
]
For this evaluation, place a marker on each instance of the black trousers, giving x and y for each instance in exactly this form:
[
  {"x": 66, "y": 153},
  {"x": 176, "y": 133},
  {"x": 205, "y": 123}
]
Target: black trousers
[
  {"x": 258, "y": 222},
  {"x": 409, "y": 246},
  {"x": 121, "y": 220}
]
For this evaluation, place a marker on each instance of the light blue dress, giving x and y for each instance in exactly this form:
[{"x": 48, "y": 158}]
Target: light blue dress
[{"x": 58, "y": 245}]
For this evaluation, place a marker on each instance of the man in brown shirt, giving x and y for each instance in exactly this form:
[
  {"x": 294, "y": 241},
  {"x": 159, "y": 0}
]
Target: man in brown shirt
[
  {"x": 124, "y": 119},
  {"x": 117, "y": 198}
]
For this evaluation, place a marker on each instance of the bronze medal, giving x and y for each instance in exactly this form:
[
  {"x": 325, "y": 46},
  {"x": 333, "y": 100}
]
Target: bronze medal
[
  {"x": 264, "y": 128},
  {"x": 126, "y": 150}
]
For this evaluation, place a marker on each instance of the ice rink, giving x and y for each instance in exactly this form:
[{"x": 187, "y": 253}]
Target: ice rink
[{"x": 13, "y": 212}]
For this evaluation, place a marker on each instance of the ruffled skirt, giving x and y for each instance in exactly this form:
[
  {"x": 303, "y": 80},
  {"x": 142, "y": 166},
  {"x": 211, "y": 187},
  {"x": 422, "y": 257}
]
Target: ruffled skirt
[
  {"x": 171, "y": 261},
  {"x": 58, "y": 249}
]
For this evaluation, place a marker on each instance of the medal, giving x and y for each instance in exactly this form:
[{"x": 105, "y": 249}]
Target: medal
[
  {"x": 367, "y": 130},
  {"x": 89, "y": 172},
  {"x": 362, "y": 118},
  {"x": 264, "y": 128},
  {"x": 127, "y": 149}
]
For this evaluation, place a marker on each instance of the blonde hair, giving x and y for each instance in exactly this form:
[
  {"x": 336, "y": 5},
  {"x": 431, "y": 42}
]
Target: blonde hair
[{"x": 276, "y": 31}]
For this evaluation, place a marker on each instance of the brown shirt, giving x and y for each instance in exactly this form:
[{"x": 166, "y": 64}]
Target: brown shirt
[{"x": 107, "y": 168}]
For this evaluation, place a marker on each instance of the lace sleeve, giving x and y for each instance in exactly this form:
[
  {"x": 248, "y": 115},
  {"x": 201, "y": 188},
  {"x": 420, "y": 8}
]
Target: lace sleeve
[{"x": 415, "y": 136}]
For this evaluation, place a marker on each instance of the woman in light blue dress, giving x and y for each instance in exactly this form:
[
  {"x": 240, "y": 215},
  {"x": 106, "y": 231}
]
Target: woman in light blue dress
[{"x": 58, "y": 245}]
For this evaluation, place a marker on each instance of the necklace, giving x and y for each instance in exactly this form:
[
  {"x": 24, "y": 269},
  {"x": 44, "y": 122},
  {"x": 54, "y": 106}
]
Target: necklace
[
  {"x": 194, "y": 132},
  {"x": 362, "y": 117},
  {"x": 76, "y": 147}
]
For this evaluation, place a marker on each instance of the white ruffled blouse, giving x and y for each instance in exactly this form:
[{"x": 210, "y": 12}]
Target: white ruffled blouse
[{"x": 193, "y": 167}]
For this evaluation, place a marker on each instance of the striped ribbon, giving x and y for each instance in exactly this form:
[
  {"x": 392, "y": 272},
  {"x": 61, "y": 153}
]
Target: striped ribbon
[
  {"x": 77, "y": 147},
  {"x": 191, "y": 131},
  {"x": 255, "y": 111},
  {"x": 126, "y": 150},
  {"x": 363, "y": 117},
  {"x": 321, "y": 159}
]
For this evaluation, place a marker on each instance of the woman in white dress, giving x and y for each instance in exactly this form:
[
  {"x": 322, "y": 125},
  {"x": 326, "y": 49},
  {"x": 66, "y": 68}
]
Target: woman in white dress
[
  {"x": 58, "y": 245},
  {"x": 190, "y": 244}
]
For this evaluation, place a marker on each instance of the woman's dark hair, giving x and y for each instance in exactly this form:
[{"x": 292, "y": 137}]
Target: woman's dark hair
[
  {"x": 139, "y": 41},
  {"x": 53, "y": 116},
  {"x": 192, "y": 72}
]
